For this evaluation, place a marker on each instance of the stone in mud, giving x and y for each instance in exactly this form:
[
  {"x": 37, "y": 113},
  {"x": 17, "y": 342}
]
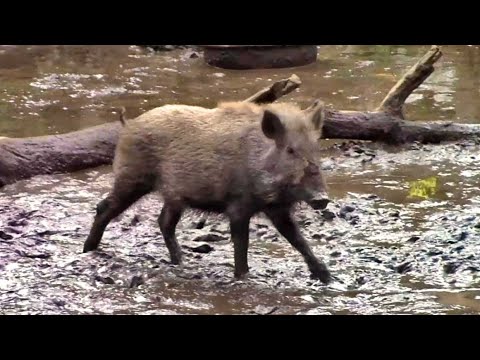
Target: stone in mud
[
  {"x": 361, "y": 280},
  {"x": 373, "y": 258},
  {"x": 358, "y": 149},
  {"x": 200, "y": 224},
  {"x": 328, "y": 215},
  {"x": 33, "y": 255},
  {"x": 368, "y": 159},
  {"x": 202, "y": 249},
  {"x": 462, "y": 236},
  {"x": 404, "y": 267},
  {"x": 477, "y": 225},
  {"x": 451, "y": 267},
  {"x": 352, "y": 154},
  {"x": 105, "y": 279},
  {"x": 135, "y": 220},
  {"x": 190, "y": 276},
  {"x": 19, "y": 222},
  {"x": 331, "y": 236},
  {"x": 328, "y": 166},
  {"x": 434, "y": 252},
  {"x": 264, "y": 310},
  {"x": 136, "y": 281},
  {"x": 165, "y": 47},
  {"x": 261, "y": 232},
  {"x": 221, "y": 228},
  {"x": 12, "y": 230},
  {"x": 5, "y": 236},
  {"x": 193, "y": 55},
  {"x": 210, "y": 238},
  {"x": 116, "y": 266},
  {"x": 47, "y": 232},
  {"x": 149, "y": 257},
  {"x": 350, "y": 216},
  {"x": 395, "y": 214},
  {"x": 413, "y": 239},
  {"x": 345, "y": 210},
  {"x": 415, "y": 146},
  {"x": 270, "y": 237},
  {"x": 59, "y": 302}
]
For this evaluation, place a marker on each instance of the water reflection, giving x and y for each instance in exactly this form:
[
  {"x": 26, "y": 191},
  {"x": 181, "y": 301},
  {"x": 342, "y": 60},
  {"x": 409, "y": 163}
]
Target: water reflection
[{"x": 49, "y": 89}]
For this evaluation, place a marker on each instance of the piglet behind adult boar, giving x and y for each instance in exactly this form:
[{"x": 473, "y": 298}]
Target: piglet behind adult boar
[{"x": 238, "y": 159}]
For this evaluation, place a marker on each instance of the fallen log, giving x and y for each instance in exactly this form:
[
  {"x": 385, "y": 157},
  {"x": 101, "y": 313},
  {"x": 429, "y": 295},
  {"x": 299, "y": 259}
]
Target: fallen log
[
  {"x": 385, "y": 127},
  {"x": 22, "y": 158},
  {"x": 27, "y": 157},
  {"x": 387, "y": 122}
]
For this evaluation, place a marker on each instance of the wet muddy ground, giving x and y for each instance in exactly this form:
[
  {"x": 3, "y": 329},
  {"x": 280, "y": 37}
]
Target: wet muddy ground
[
  {"x": 401, "y": 235},
  {"x": 415, "y": 257}
]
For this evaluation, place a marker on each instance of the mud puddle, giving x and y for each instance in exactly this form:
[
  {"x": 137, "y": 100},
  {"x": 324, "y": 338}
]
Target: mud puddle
[{"x": 396, "y": 245}]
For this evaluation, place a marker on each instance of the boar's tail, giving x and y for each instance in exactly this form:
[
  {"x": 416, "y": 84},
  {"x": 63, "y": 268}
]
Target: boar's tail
[{"x": 122, "y": 116}]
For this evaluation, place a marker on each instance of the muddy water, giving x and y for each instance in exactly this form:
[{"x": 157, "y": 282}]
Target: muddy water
[{"x": 401, "y": 235}]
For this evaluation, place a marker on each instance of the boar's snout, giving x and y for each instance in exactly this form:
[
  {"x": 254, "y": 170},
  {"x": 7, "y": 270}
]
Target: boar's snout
[
  {"x": 318, "y": 201},
  {"x": 312, "y": 169}
]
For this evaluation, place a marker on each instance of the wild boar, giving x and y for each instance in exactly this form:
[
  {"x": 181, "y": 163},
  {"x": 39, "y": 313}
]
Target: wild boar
[{"x": 238, "y": 159}]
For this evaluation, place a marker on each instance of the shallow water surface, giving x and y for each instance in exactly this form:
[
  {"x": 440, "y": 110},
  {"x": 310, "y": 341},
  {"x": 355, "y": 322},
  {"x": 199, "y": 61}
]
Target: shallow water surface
[{"x": 401, "y": 235}]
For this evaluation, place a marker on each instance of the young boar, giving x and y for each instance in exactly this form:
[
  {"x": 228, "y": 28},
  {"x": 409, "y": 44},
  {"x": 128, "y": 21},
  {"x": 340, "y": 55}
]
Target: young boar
[{"x": 238, "y": 159}]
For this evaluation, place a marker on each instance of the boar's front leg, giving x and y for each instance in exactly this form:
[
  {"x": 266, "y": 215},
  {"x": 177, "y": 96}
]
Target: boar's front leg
[
  {"x": 282, "y": 220},
  {"x": 168, "y": 220},
  {"x": 239, "y": 229}
]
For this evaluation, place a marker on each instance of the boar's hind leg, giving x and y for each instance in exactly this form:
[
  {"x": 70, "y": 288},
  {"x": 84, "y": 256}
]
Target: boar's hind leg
[
  {"x": 124, "y": 194},
  {"x": 168, "y": 220},
  {"x": 282, "y": 220}
]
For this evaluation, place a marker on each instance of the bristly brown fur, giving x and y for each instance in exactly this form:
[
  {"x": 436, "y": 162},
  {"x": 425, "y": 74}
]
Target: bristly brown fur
[{"x": 238, "y": 160}]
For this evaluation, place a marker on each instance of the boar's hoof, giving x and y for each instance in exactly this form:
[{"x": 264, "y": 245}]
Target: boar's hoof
[
  {"x": 320, "y": 272},
  {"x": 241, "y": 277},
  {"x": 87, "y": 247},
  {"x": 175, "y": 260}
]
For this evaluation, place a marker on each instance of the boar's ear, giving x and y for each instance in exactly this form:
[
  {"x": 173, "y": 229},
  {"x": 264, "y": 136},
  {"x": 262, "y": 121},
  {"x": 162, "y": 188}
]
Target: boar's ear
[
  {"x": 316, "y": 111},
  {"x": 272, "y": 126}
]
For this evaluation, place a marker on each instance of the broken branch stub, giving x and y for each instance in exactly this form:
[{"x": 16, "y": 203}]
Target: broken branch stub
[{"x": 418, "y": 73}]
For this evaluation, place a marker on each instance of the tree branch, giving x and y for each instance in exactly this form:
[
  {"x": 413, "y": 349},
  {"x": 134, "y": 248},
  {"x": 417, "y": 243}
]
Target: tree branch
[
  {"x": 275, "y": 91},
  {"x": 395, "y": 99}
]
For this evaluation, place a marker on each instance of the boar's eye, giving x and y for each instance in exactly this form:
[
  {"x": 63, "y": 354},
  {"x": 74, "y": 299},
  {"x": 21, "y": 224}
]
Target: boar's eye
[{"x": 290, "y": 151}]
